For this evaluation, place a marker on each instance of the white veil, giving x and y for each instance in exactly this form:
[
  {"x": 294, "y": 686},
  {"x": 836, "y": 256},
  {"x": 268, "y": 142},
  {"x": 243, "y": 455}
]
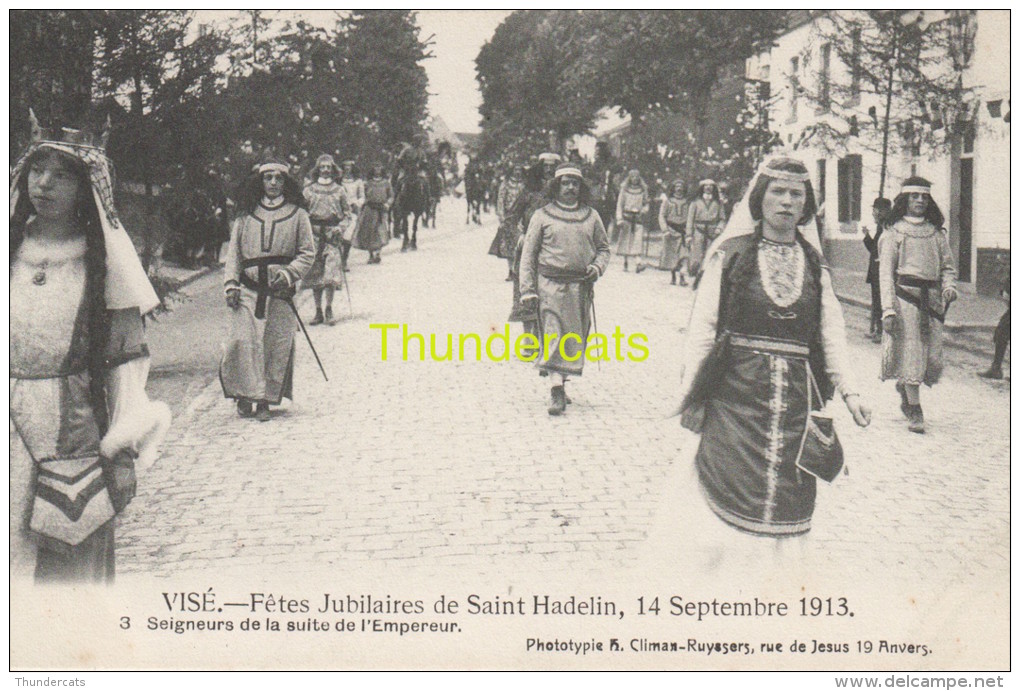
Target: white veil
[{"x": 126, "y": 282}]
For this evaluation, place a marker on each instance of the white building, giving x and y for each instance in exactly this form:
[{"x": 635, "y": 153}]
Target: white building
[{"x": 815, "y": 96}]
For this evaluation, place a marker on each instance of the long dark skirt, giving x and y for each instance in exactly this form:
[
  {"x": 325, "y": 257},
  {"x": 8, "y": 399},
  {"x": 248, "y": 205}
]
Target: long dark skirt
[
  {"x": 750, "y": 443},
  {"x": 505, "y": 241},
  {"x": 372, "y": 232}
]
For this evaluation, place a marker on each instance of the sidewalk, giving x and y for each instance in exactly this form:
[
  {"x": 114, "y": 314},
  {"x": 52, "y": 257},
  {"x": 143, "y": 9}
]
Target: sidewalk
[
  {"x": 977, "y": 314},
  {"x": 183, "y": 275},
  {"x": 971, "y": 312}
]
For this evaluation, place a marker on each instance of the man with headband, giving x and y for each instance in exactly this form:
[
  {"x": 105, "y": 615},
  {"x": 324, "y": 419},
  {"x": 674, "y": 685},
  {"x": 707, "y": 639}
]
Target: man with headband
[
  {"x": 918, "y": 283},
  {"x": 271, "y": 249},
  {"x": 565, "y": 251}
]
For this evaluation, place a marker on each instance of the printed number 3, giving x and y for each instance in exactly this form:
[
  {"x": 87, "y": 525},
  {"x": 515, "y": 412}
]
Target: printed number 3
[{"x": 125, "y": 622}]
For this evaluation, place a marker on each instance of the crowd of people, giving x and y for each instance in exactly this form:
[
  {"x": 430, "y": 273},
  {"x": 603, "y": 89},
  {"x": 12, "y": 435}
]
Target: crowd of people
[
  {"x": 766, "y": 342},
  {"x": 765, "y": 347}
]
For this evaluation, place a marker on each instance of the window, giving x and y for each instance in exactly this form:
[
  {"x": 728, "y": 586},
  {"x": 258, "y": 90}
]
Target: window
[
  {"x": 820, "y": 192},
  {"x": 968, "y": 138},
  {"x": 823, "y": 77},
  {"x": 855, "y": 64},
  {"x": 794, "y": 87},
  {"x": 849, "y": 174}
]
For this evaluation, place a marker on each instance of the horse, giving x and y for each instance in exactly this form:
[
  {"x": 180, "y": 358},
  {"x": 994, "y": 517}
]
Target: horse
[
  {"x": 436, "y": 193},
  {"x": 412, "y": 197},
  {"x": 474, "y": 191}
]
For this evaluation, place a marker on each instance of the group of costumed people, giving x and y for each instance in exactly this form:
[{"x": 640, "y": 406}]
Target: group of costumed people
[
  {"x": 766, "y": 346},
  {"x": 688, "y": 226},
  {"x": 81, "y": 424},
  {"x": 285, "y": 239}
]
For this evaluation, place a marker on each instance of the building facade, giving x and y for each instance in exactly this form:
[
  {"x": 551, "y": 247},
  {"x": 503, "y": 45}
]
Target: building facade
[{"x": 824, "y": 112}]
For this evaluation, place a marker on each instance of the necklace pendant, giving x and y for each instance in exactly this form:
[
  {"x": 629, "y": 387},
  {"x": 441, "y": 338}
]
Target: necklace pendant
[{"x": 40, "y": 277}]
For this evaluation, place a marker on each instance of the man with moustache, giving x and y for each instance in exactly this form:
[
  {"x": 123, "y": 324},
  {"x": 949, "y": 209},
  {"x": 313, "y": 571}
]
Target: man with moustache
[{"x": 565, "y": 251}]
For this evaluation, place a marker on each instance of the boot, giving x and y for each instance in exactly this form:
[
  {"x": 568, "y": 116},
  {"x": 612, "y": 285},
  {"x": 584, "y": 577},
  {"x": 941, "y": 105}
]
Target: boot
[
  {"x": 329, "y": 315},
  {"x": 640, "y": 268},
  {"x": 672, "y": 278},
  {"x": 244, "y": 407},
  {"x": 559, "y": 401},
  {"x": 904, "y": 403},
  {"x": 915, "y": 419},
  {"x": 993, "y": 372},
  {"x": 683, "y": 281},
  {"x": 318, "y": 318},
  {"x": 262, "y": 412}
]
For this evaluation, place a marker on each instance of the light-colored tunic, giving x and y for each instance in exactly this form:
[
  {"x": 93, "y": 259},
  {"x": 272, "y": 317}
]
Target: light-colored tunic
[
  {"x": 915, "y": 265},
  {"x": 258, "y": 356},
  {"x": 630, "y": 206},
  {"x": 355, "y": 193},
  {"x": 559, "y": 246},
  {"x": 64, "y": 529},
  {"x": 673, "y": 223},
  {"x": 330, "y": 214},
  {"x": 704, "y": 223}
]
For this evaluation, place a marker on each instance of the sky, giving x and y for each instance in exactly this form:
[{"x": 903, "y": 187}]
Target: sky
[{"x": 458, "y": 35}]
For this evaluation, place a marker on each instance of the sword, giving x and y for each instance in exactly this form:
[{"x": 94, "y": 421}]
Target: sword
[{"x": 307, "y": 337}]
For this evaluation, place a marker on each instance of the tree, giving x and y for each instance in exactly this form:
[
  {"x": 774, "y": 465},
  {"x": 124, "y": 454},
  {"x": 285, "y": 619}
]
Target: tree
[
  {"x": 649, "y": 63},
  {"x": 903, "y": 79},
  {"x": 384, "y": 83},
  {"x": 553, "y": 71},
  {"x": 50, "y": 70},
  {"x": 532, "y": 97},
  {"x": 137, "y": 50}
]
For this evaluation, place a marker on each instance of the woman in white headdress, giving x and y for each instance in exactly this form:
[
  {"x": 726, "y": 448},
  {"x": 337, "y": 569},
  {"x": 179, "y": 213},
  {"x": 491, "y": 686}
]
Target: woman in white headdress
[
  {"x": 81, "y": 423},
  {"x": 766, "y": 289}
]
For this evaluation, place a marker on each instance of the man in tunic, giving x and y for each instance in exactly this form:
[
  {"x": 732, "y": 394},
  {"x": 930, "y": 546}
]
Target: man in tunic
[
  {"x": 565, "y": 251},
  {"x": 271, "y": 249},
  {"x": 330, "y": 215},
  {"x": 917, "y": 276}
]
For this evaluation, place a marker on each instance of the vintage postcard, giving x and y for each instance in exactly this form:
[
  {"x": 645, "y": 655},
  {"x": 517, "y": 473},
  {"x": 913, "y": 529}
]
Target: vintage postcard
[{"x": 524, "y": 340}]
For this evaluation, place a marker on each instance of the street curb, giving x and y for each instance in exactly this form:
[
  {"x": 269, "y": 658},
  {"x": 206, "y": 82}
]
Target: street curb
[
  {"x": 199, "y": 274},
  {"x": 949, "y": 328}
]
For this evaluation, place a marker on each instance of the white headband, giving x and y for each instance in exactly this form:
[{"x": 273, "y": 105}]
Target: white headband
[
  {"x": 786, "y": 175},
  {"x": 920, "y": 189},
  {"x": 278, "y": 167},
  {"x": 568, "y": 171}
]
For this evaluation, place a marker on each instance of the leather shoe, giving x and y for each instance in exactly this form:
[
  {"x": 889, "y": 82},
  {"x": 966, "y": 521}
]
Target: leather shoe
[
  {"x": 244, "y": 407},
  {"x": 262, "y": 412},
  {"x": 559, "y": 401}
]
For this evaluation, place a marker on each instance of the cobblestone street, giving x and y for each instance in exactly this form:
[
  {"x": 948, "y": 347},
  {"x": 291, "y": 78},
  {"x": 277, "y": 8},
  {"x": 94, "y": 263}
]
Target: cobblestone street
[{"x": 456, "y": 465}]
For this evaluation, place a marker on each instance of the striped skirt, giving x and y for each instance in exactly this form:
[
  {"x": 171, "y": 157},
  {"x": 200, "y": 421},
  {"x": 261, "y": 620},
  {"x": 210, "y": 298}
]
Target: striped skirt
[{"x": 751, "y": 440}]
